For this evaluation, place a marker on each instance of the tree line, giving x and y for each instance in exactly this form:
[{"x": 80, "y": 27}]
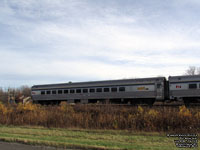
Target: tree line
[{"x": 14, "y": 92}]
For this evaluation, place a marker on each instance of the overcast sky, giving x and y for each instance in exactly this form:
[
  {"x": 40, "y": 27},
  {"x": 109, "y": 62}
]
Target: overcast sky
[{"x": 55, "y": 41}]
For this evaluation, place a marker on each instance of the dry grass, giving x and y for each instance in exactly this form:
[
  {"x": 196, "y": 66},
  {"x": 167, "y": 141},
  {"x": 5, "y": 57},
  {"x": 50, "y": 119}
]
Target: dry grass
[{"x": 160, "y": 119}]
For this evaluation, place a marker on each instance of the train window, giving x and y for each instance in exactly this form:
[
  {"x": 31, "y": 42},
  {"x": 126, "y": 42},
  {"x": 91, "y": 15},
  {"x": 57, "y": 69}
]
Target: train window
[
  {"x": 48, "y": 92},
  {"x": 99, "y": 89},
  {"x": 72, "y": 91},
  {"x": 60, "y": 91},
  {"x": 42, "y": 92},
  {"x": 54, "y": 92},
  {"x": 85, "y": 90},
  {"x": 121, "y": 89},
  {"x": 106, "y": 90},
  {"x": 192, "y": 86},
  {"x": 114, "y": 89},
  {"x": 158, "y": 85},
  {"x": 92, "y": 90},
  {"x": 65, "y": 91},
  {"x": 78, "y": 90}
]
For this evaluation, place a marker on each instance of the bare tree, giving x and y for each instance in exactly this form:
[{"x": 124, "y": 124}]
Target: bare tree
[
  {"x": 3, "y": 96},
  {"x": 25, "y": 90},
  {"x": 198, "y": 70},
  {"x": 192, "y": 70}
]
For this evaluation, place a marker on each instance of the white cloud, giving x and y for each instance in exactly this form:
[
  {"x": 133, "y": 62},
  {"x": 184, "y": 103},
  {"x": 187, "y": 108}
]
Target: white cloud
[{"x": 76, "y": 39}]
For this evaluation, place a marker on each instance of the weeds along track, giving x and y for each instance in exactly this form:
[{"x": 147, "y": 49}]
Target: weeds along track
[
  {"x": 135, "y": 118},
  {"x": 192, "y": 105}
]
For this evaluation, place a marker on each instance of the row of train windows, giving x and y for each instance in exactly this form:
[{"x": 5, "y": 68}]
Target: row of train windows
[{"x": 92, "y": 90}]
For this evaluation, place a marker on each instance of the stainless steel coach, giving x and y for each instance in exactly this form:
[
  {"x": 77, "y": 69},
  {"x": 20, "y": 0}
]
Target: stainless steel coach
[
  {"x": 133, "y": 91},
  {"x": 186, "y": 88}
]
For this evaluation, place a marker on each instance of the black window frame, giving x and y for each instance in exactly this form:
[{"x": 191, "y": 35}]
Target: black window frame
[
  {"x": 60, "y": 91},
  {"x": 71, "y": 91},
  {"x": 48, "y": 92},
  {"x": 122, "y": 89},
  {"x": 92, "y": 90},
  {"x": 85, "y": 90},
  {"x": 42, "y": 93},
  {"x": 54, "y": 92},
  {"x": 66, "y": 91},
  {"x": 113, "y": 89},
  {"x": 78, "y": 91},
  {"x": 192, "y": 86},
  {"x": 106, "y": 89},
  {"x": 98, "y": 90}
]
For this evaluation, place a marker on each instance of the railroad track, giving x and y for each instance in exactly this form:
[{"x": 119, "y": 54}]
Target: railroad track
[{"x": 173, "y": 104}]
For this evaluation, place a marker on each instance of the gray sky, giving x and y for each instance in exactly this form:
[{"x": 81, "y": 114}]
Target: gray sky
[{"x": 53, "y": 41}]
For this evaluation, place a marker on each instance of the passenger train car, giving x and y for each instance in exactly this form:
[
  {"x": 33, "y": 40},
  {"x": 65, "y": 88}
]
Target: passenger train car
[
  {"x": 125, "y": 91},
  {"x": 186, "y": 88},
  {"x": 144, "y": 90}
]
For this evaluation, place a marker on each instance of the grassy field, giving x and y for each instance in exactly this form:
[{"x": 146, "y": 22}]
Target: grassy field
[{"x": 87, "y": 139}]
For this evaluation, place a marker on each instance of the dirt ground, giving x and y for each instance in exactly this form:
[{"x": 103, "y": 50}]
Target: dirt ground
[{"x": 18, "y": 146}]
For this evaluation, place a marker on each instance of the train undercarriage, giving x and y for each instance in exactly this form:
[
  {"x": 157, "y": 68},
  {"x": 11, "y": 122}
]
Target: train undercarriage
[{"x": 189, "y": 101}]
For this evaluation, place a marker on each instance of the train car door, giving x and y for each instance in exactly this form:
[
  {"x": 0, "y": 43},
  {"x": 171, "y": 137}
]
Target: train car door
[{"x": 159, "y": 90}]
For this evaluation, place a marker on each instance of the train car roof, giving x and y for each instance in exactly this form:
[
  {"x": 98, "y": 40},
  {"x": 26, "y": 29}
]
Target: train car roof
[
  {"x": 184, "y": 78},
  {"x": 100, "y": 83}
]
